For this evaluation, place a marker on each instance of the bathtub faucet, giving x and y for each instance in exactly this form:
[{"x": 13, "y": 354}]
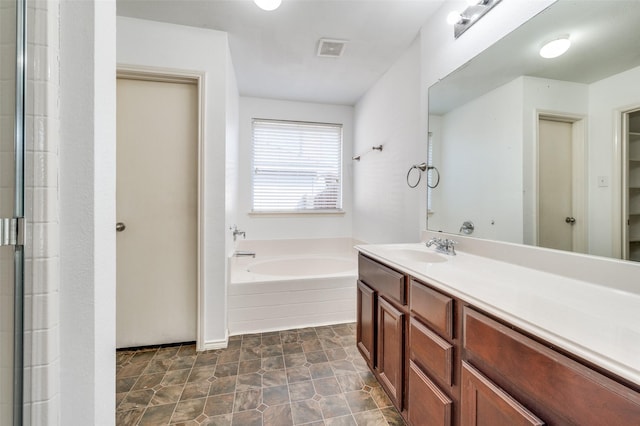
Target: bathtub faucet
[
  {"x": 237, "y": 232},
  {"x": 244, "y": 254}
]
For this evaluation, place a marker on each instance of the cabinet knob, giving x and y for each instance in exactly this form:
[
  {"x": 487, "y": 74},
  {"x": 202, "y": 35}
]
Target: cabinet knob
[{"x": 570, "y": 220}]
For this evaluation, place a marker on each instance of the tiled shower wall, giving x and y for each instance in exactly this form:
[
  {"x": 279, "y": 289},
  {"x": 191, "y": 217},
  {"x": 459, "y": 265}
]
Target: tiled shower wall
[{"x": 42, "y": 278}]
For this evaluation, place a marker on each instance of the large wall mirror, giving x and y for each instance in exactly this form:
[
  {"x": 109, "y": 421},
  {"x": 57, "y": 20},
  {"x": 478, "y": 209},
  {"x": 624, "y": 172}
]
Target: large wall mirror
[{"x": 545, "y": 151}]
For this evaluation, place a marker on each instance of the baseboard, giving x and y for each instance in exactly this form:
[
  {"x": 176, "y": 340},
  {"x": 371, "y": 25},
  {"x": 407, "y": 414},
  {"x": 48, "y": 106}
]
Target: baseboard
[{"x": 215, "y": 344}]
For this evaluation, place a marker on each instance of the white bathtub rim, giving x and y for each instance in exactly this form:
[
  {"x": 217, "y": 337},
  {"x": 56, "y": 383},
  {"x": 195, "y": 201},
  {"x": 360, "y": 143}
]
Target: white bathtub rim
[{"x": 240, "y": 275}]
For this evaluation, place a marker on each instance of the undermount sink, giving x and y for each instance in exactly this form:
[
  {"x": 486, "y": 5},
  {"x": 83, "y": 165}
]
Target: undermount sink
[{"x": 415, "y": 255}]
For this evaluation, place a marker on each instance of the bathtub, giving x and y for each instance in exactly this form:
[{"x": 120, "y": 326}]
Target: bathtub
[{"x": 292, "y": 284}]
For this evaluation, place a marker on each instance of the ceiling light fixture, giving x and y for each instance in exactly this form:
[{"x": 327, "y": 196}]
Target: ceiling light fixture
[
  {"x": 268, "y": 5},
  {"x": 555, "y": 48},
  {"x": 463, "y": 21}
]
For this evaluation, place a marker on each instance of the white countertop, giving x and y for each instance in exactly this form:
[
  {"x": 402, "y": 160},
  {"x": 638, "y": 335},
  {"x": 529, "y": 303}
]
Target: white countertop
[{"x": 596, "y": 323}]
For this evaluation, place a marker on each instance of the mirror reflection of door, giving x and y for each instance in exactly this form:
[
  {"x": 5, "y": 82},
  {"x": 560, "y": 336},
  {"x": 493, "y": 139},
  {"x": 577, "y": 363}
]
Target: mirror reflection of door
[{"x": 560, "y": 187}]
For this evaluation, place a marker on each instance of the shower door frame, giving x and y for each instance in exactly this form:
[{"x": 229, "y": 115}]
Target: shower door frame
[{"x": 13, "y": 227}]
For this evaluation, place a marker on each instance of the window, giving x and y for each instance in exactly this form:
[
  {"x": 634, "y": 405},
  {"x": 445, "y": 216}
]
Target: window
[{"x": 297, "y": 167}]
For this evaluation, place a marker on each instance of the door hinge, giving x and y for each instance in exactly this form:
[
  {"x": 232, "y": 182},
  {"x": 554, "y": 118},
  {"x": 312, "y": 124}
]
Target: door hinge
[{"x": 12, "y": 231}]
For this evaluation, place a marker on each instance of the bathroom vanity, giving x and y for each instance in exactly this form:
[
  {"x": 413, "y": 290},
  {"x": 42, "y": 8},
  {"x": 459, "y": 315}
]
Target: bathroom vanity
[{"x": 469, "y": 340}]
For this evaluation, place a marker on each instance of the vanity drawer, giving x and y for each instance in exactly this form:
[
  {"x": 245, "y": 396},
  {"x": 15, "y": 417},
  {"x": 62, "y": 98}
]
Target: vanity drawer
[
  {"x": 385, "y": 280},
  {"x": 432, "y": 307},
  {"x": 428, "y": 405},
  {"x": 540, "y": 376},
  {"x": 431, "y": 352}
]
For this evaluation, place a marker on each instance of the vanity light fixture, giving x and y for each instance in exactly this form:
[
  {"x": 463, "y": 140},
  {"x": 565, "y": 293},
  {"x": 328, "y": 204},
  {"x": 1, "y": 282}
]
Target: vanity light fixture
[
  {"x": 268, "y": 5},
  {"x": 463, "y": 21},
  {"x": 555, "y": 47}
]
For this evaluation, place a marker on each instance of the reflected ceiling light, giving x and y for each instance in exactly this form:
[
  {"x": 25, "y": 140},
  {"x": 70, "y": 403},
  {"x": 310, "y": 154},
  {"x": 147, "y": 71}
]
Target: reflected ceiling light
[
  {"x": 463, "y": 21},
  {"x": 268, "y": 4},
  {"x": 555, "y": 47}
]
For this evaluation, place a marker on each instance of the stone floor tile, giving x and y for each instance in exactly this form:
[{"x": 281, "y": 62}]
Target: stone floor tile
[
  {"x": 182, "y": 363},
  {"x": 167, "y": 395},
  {"x": 223, "y": 385},
  {"x": 298, "y": 374},
  {"x": 341, "y": 421},
  {"x": 148, "y": 381},
  {"x": 188, "y": 410},
  {"x": 195, "y": 390},
  {"x": 360, "y": 401},
  {"x": 230, "y": 355},
  {"x": 370, "y": 418},
  {"x": 219, "y": 405},
  {"x": 392, "y": 416},
  {"x": 274, "y": 378},
  {"x": 334, "y": 406},
  {"x": 129, "y": 417},
  {"x": 157, "y": 415},
  {"x": 247, "y": 418},
  {"x": 279, "y": 415},
  {"x": 136, "y": 399},
  {"x": 225, "y": 370},
  {"x": 294, "y": 360},
  {"x": 350, "y": 382},
  {"x": 317, "y": 357},
  {"x": 327, "y": 386},
  {"x": 305, "y": 411},
  {"x": 301, "y": 390},
  {"x": 175, "y": 377},
  {"x": 247, "y": 400},
  {"x": 275, "y": 395},
  {"x": 223, "y": 420},
  {"x": 273, "y": 363},
  {"x": 248, "y": 381}
]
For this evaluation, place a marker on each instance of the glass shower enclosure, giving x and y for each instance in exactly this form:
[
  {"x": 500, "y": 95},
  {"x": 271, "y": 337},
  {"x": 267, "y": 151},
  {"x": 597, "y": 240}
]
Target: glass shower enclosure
[{"x": 12, "y": 71}]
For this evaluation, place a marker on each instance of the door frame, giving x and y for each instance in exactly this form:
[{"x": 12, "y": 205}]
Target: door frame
[
  {"x": 170, "y": 75},
  {"x": 579, "y": 177},
  {"x": 621, "y": 178}
]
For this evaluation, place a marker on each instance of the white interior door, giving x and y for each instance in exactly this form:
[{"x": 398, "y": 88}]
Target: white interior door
[
  {"x": 555, "y": 176},
  {"x": 156, "y": 201}
]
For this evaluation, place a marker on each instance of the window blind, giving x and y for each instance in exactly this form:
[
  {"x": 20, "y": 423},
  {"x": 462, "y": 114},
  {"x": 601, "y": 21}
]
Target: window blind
[{"x": 297, "y": 166}]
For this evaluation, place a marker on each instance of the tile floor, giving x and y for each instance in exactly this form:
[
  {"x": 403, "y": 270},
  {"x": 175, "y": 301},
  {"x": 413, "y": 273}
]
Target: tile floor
[{"x": 312, "y": 376}]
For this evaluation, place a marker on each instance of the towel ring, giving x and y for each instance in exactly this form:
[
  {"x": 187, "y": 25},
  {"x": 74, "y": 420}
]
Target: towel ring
[{"x": 421, "y": 168}]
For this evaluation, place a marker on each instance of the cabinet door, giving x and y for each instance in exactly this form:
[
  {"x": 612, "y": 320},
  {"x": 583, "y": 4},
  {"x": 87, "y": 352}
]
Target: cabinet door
[
  {"x": 428, "y": 405},
  {"x": 390, "y": 350},
  {"x": 365, "y": 331},
  {"x": 485, "y": 404}
]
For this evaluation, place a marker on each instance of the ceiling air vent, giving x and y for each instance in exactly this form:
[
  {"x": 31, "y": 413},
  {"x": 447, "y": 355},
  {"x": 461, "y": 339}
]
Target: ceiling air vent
[{"x": 331, "y": 48}]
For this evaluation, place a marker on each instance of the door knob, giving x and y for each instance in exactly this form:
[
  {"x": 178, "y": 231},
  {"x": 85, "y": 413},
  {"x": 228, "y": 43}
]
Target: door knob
[
  {"x": 570, "y": 220},
  {"x": 120, "y": 227}
]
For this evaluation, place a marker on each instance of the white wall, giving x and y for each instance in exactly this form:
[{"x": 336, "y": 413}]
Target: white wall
[
  {"x": 87, "y": 212},
  {"x": 385, "y": 208},
  {"x": 160, "y": 45},
  {"x": 293, "y": 226},
  {"x": 481, "y": 165}
]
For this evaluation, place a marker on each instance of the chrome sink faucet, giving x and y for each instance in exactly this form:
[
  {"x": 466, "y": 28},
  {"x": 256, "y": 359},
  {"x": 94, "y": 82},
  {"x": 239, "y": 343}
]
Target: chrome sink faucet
[{"x": 443, "y": 245}]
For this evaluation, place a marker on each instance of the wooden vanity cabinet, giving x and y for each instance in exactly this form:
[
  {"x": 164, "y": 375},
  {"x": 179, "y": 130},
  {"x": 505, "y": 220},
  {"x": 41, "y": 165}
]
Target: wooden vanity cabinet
[
  {"x": 557, "y": 389},
  {"x": 366, "y": 318},
  {"x": 433, "y": 391},
  {"x": 381, "y": 325},
  {"x": 444, "y": 362}
]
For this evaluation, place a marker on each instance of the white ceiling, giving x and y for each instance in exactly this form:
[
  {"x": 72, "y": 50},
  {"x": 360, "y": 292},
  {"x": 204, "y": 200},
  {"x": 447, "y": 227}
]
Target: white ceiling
[
  {"x": 274, "y": 53},
  {"x": 605, "y": 38}
]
